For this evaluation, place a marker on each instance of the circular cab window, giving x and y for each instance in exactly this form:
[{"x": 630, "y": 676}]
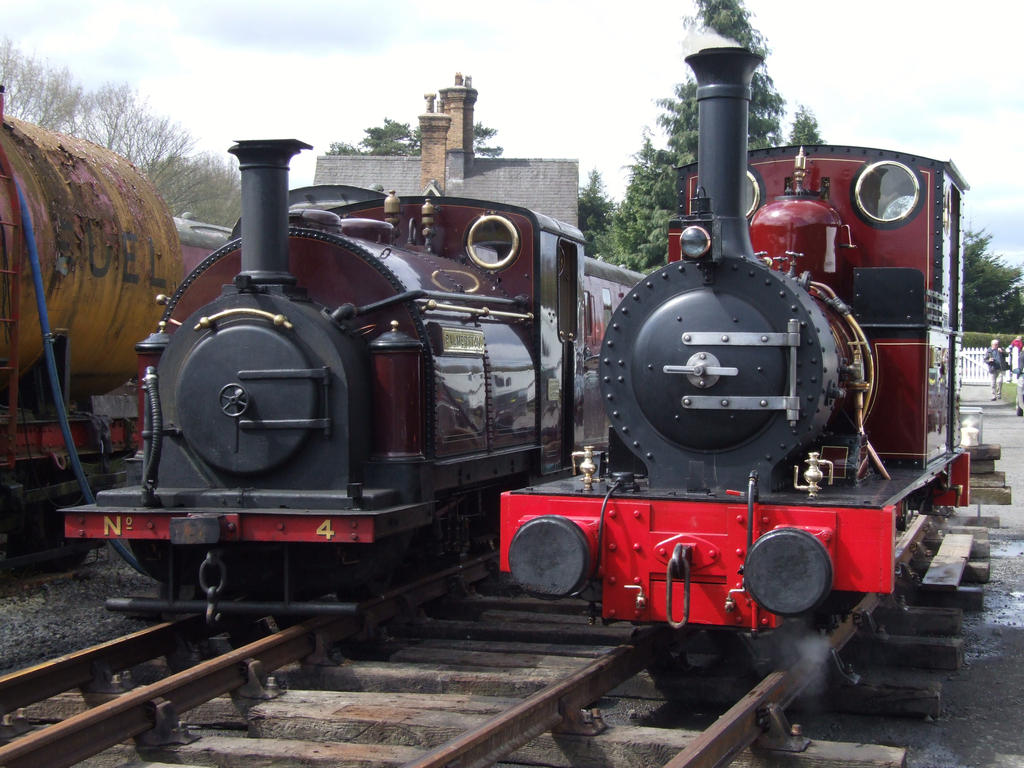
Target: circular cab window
[
  {"x": 751, "y": 194},
  {"x": 493, "y": 242},
  {"x": 887, "y": 192}
]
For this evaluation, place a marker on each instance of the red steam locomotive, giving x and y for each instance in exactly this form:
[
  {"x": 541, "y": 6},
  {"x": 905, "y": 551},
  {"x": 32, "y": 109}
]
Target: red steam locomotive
[
  {"x": 340, "y": 388},
  {"x": 781, "y": 395}
]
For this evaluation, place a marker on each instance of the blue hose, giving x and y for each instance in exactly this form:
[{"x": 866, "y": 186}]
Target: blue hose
[{"x": 51, "y": 368}]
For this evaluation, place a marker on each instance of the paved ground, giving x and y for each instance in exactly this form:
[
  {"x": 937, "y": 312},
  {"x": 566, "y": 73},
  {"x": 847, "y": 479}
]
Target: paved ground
[{"x": 982, "y": 723}]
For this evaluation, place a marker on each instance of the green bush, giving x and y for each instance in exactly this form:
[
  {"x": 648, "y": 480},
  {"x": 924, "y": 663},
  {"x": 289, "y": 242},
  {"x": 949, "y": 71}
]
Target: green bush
[{"x": 980, "y": 339}]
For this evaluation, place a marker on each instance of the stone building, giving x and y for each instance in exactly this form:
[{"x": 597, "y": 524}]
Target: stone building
[{"x": 447, "y": 166}]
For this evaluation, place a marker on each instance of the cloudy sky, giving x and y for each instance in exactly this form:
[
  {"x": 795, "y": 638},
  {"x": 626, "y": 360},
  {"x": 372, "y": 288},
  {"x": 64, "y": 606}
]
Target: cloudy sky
[{"x": 557, "y": 78}]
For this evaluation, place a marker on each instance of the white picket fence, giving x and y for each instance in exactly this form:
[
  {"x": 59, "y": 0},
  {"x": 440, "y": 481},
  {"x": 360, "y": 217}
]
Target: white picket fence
[{"x": 974, "y": 370}]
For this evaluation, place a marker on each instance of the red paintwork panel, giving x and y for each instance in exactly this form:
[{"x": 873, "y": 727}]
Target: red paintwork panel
[
  {"x": 896, "y": 423},
  {"x": 38, "y": 439},
  {"x": 336, "y": 529},
  {"x": 675, "y": 247},
  {"x": 397, "y": 404},
  {"x": 958, "y": 484},
  {"x": 640, "y": 535},
  {"x": 95, "y": 526}
]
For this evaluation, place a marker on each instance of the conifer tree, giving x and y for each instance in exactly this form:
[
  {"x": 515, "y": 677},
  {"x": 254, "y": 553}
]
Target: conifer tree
[
  {"x": 805, "y": 128},
  {"x": 594, "y": 214}
]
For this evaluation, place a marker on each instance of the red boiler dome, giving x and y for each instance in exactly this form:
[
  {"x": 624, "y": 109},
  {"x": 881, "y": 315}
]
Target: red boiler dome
[{"x": 797, "y": 225}]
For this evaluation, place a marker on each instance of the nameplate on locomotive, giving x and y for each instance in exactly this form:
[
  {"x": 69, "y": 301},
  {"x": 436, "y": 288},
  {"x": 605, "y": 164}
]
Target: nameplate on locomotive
[{"x": 462, "y": 340}]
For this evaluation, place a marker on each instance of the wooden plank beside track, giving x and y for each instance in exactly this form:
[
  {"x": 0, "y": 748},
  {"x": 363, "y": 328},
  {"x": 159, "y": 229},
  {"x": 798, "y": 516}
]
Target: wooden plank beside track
[
  {"x": 985, "y": 452},
  {"x": 947, "y": 566}
]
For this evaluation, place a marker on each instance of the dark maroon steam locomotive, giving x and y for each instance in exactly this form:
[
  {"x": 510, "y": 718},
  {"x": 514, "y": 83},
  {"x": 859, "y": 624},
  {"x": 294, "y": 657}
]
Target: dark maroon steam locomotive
[
  {"x": 782, "y": 394},
  {"x": 341, "y": 388}
]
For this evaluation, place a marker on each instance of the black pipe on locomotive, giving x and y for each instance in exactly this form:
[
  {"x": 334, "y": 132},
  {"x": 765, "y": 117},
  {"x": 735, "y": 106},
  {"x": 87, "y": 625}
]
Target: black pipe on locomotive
[
  {"x": 264, "y": 171},
  {"x": 723, "y": 97}
]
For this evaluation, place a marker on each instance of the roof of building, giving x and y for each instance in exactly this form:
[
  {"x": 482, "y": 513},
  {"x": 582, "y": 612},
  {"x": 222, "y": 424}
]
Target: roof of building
[{"x": 550, "y": 187}]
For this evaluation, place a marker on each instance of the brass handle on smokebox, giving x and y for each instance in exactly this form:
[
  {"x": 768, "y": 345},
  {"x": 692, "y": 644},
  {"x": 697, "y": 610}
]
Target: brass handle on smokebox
[{"x": 278, "y": 320}]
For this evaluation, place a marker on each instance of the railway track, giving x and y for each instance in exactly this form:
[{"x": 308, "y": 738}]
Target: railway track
[{"x": 476, "y": 680}]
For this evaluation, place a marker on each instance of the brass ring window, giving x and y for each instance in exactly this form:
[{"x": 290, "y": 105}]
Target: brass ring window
[
  {"x": 752, "y": 195},
  {"x": 492, "y": 242},
  {"x": 887, "y": 192}
]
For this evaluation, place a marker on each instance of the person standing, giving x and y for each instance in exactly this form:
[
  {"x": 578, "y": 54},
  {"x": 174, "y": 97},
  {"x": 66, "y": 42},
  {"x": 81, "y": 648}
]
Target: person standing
[
  {"x": 995, "y": 358},
  {"x": 1015, "y": 354}
]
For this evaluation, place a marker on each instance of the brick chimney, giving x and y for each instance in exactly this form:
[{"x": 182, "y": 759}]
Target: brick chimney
[
  {"x": 458, "y": 103},
  {"x": 434, "y": 130}
]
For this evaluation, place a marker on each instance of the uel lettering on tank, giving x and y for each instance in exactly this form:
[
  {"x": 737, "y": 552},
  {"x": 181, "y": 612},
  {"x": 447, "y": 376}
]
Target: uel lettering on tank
[{"x": 129, "y": 245}]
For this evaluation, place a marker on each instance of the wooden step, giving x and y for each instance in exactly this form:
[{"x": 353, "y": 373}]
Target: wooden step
[
  {"x": 970, "y": 598},
  {"x": 985, "y": 452},
  {"x": 947, "y": 566},
  {"x": 989, "y": 480},
  {"x": 918, "y": 620},
  {"x": 944, "y": 653},
  {"x": 991, "y": 496}
]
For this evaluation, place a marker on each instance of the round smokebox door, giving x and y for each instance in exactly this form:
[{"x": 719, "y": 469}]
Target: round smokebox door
[
  {"x": 245, "y": 398},
  {"x": 691, "y": 365}
]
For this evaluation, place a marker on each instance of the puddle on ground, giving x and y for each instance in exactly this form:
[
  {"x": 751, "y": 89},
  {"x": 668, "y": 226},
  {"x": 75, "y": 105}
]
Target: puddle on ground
[
  {"x": 1004, "y": 595},
  {"x": 1007, "y": 548},
  {"x": 1005, "y": 609}
]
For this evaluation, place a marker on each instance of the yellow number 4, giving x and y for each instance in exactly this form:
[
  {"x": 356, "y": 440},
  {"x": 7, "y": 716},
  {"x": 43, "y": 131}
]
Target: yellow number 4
[{"x": 325, "y": 530}]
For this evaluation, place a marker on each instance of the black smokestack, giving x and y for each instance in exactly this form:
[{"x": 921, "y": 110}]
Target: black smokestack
[
  {"x": 264, "y": 167},
  {"x": 723, "y": 102}
]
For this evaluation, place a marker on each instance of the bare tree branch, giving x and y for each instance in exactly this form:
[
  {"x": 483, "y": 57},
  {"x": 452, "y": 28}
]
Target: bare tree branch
[{"x": 118, "y": 118}]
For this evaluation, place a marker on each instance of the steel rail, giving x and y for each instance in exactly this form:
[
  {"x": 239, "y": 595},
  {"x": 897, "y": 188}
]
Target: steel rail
[
  {"x": 140, "y": 710},
  {"x": 742, "y": 724},
  {"x": 27, "y": 686},
  {"x": 557, "y": 704}
]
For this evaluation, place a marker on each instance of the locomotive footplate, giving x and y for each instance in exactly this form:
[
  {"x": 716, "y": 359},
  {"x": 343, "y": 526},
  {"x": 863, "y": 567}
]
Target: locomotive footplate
[
  {"x": 746, "y": 564},
  {"x": 948, "y": 479},
  {"x": 210, "y": 525}
]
